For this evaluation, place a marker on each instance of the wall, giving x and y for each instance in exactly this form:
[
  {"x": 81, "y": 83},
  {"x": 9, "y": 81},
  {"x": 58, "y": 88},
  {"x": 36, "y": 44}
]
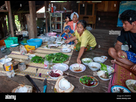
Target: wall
[{"x": 107, "y": 14}]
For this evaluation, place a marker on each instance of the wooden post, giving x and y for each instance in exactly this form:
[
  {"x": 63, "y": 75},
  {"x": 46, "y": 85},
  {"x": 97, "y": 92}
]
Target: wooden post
[
  {"x": 33, "y": 26},
  {"x": 46, "y": 19},
  {"x": 10, "y": 18}
]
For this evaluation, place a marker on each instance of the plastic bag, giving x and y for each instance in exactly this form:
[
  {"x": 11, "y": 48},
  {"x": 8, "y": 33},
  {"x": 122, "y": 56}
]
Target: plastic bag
[{"x": 23, "y": 51}]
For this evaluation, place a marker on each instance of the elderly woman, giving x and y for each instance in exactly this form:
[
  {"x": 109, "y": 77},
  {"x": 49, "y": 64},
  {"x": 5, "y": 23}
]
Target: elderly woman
[
  {"x": 86, "y": 41},
  {"x": 73, "y": 24}
]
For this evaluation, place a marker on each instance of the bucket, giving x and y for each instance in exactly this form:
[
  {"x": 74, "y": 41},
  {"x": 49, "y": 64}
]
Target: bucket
[
  {"x": 21, "y": 66},
  {"x": 8, "y": 66}
]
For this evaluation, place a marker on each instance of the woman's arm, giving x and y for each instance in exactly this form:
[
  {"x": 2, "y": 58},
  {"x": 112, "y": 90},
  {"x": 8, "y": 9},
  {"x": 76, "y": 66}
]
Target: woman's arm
[
  {"x": 80, "y": 54},
  {"x": 70, "y": 39}
]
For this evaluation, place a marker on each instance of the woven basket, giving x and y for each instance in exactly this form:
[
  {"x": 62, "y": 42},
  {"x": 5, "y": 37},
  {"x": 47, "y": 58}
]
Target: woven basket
[{"x": 15, "y": 48}]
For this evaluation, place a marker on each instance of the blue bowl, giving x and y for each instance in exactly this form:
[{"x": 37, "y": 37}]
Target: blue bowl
[{"x": 35, "y": 42}]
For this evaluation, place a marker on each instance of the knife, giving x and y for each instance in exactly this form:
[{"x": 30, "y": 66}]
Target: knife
[
  {"x": 32, "y": 82},
  {"x": 45, "y": 85}
]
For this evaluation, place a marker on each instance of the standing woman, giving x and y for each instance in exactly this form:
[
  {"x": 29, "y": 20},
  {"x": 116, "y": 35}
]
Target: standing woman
[{"x": 86, "y": 41}]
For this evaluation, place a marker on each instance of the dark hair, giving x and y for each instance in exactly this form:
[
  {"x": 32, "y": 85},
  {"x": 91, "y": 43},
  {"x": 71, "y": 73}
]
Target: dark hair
[
  {"x": 67, "y": 15},
  {"x": 83, "y": 22},
  {"x": 128, "y": 15}
]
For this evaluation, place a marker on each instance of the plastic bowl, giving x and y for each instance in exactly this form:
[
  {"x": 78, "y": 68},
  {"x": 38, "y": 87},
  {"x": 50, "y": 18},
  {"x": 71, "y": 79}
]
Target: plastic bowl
[
  {"x": 35, "y": 42},
  {"x": 57, "y": 72},
  {"x": 94, "y": 66},
  {"x": 52, "y": 34}
]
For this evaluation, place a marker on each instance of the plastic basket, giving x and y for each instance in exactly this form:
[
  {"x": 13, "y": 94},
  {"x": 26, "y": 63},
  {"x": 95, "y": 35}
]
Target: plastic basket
[
  {"x": 11, "y": 40},
  {"x": 15, "y": 39},
  {"x": 28, "y": 48},
  {"x": 2, "y": 43}
]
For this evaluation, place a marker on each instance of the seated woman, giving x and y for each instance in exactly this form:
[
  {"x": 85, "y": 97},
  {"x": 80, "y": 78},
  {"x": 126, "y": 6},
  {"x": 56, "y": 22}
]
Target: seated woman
[
  {"x": 73, "y": 24},
  {"x": 86, "y": 41},
  {"x": 68, "y": 34}
]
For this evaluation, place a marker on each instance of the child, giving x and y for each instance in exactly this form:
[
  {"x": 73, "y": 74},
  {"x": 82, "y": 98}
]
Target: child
[
  {"x": 68, "y": 34},
  {"x": 67, "y": 18}
]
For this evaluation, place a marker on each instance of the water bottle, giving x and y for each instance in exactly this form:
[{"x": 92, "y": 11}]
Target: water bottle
[{"x": 46, "y": 64}]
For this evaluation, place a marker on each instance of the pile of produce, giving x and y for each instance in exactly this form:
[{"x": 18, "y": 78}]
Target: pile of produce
[
  {"x": 37, "y": 59},
  {"x": 57, "y": 57}
]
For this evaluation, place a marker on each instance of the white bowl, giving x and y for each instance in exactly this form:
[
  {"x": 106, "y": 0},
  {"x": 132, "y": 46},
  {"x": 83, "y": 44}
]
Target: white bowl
[
  {"x": 76, "y": 66},
  {"x": 86, "y": 59},
  {"x": 99, "y": 73},
  {"x": 94, "y": 64},
  {"x": 55, "y": 71},
  {"x": 66, "y": 50},
  {"x": 61, "y": 66},
  {"x": 99, "y": 59},
  {"x": 65, "y": 46}
]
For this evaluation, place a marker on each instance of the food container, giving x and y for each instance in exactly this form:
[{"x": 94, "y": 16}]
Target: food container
[
  {"x": 86, "y": 61},
  {"x": 34, "y": 42},
  {"x": 8, "y": 66},
  {"x": 54, "y": 74},
  {"x": 29, "y": 48},
  {"x": 94, "y": 66},
  {"x": 15, "y": 65},
  {"x": 99, "y": 59},
  {"x": 21, "y": 66},
  {"x": 51, "y": 34}
]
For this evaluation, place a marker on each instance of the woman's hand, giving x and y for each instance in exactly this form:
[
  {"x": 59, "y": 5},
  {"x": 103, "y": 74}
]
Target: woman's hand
[
  {"x": 67, "y": 41},
  {"x": 78, "y": 61}
]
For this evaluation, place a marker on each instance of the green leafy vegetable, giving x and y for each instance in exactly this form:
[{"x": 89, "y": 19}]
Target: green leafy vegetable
[
  {"x": 37, "y": 59},
  {"x": 104, "y": 67},
  {"x": 57, "y": 57}
]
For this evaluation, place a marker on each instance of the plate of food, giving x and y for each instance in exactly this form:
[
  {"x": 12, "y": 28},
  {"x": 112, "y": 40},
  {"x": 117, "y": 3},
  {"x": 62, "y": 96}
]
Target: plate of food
[
  {"x": 131, "y": 84},
  {"x": 60, "y": 66},
  {"x": 86, "y": 60},
  {"x": 77, "y": 68},
  {"x": 53, "y": 45},
  {"x": 103, "y": 75},
  {"x": 66, "y": 50},
  {"x": 88, "y": 81},
  {"x": 119, "y": 89}
]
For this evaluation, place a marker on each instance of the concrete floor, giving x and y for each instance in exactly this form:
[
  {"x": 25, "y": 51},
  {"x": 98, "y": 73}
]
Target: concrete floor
[{"x": 104, "y": 41}]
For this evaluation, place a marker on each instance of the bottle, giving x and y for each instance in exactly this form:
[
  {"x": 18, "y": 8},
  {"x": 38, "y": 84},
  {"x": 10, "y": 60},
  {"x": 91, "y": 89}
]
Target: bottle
[
  {"x": 46, "y": 64},
  {"x": 51, "y": 8},
  {"x": 8, "y": 67}
]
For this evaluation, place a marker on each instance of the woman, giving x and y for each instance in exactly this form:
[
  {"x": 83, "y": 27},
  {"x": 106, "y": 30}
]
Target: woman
[
  {"x": 86, "y": 41},
  {"x": 73, "y": 24}
]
